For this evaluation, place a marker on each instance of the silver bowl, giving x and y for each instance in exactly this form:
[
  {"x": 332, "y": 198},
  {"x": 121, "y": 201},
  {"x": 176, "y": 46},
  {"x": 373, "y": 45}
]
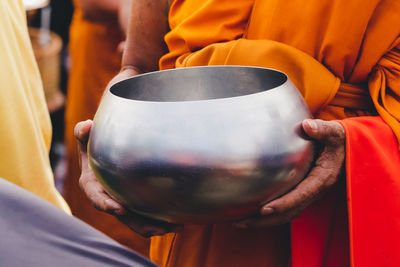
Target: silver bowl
[{"x": 200, "y": 145}]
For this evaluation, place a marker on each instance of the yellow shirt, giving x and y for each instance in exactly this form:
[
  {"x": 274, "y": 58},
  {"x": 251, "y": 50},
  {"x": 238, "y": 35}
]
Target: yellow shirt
[{"x": 25, "y": 128}]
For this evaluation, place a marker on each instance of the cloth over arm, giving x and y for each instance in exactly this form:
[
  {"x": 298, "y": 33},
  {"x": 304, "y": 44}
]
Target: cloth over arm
[{"x": 321, "y": 46}]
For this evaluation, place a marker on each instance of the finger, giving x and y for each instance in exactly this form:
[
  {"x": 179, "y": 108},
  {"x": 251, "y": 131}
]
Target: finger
[
  {"x": 305, "y": 191},
  {"x": 99, "y": 198},
  {"x": 332, "y": 136},
  {"x": 285, "y": 208},
  {"x": 121, "y": 48},
  {"x": 326, "y": 132},
  {"x": 127, "y": 71},
  {"x": 81, "y": 132},
  {"x": 322, "y": 176}
]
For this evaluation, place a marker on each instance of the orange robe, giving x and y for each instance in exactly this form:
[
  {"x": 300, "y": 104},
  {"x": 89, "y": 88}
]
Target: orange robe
[
  {"x": 94, "y": 58},
  {"x": 344, "y": 56}
]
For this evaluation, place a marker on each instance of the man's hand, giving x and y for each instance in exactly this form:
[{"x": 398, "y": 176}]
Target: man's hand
[
  {"x": 323, "y": 175},
  {"x": 102, "y": 201}
]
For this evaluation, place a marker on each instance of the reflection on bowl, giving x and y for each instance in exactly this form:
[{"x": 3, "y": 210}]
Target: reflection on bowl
[{"x": 200, "y": 145}]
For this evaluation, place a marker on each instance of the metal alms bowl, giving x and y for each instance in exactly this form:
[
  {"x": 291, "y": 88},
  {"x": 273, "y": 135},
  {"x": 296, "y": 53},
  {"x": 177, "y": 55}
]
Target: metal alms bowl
[{"x": 200, "y": 145}]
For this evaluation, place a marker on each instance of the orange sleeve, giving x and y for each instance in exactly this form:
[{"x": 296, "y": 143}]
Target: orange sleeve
[
  {"x": 197, "y": 24},
  {"x": 316, "y": 83}
]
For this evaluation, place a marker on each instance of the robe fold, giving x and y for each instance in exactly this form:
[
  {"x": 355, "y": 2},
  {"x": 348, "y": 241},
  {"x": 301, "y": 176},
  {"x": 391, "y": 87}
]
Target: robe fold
[
  {"x": 94, "y": 62},
  {"x": 344, "y": 57}
]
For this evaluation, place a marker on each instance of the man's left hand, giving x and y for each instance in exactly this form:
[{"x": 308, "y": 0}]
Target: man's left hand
[{"x": 324, "y": 174}]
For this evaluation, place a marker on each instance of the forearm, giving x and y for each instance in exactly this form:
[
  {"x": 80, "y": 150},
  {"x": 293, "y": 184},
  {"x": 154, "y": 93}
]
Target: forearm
[
  {"x": 145, "y": 44},
  {"x": 124, "y": 13}
]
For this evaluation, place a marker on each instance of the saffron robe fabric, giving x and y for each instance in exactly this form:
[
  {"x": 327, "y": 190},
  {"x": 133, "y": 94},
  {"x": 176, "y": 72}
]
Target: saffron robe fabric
[
  {"x": 25, "y": 131},
  {"x": 94, "y": 61},
  {"x": 327, "y": 48}
]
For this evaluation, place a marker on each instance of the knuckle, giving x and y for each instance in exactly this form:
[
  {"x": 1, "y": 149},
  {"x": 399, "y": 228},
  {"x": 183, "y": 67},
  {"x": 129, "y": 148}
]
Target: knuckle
[{"x": 337, "y": 134}]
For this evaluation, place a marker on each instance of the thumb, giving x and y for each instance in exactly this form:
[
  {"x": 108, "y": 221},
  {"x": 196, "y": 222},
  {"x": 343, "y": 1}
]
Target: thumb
[
  {"x": 326, "y": 132},
  {"x": 81, "y": 132}
]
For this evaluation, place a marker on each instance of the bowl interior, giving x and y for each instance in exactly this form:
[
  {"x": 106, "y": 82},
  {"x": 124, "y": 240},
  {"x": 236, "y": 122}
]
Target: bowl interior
[{"x": 198, "y": 83}]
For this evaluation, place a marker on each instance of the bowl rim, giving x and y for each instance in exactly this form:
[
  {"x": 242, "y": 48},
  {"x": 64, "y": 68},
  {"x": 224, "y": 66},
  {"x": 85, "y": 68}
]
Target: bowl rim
[{"x": 287, "y": 80}]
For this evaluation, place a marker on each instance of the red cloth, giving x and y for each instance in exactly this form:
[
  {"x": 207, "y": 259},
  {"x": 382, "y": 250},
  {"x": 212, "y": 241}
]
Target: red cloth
[{"x": 373, "y": 202}]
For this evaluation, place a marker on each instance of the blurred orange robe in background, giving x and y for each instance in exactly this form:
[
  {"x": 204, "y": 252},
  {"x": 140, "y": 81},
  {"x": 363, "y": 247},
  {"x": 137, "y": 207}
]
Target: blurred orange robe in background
[
  {"x": 95, "y": 61},
  {"x": 344, "y": 56}
]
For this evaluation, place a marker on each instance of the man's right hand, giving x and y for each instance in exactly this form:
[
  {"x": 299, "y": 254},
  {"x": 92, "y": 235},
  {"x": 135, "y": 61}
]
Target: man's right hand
[{"x": 102, "y": 201}]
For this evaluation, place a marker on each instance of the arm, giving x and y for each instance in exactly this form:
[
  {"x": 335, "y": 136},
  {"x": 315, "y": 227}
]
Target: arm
[
  {"x": 100, "y": 10},
  {"x": 144, "y": 46},
  {"x": 124, "y": 13},
  {"x": 145, "y": 36}
]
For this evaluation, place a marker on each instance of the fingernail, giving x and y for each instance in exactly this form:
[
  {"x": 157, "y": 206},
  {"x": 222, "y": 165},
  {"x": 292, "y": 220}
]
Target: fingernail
[
  {"x": 312, "y": 124},
  {"x": 267, "y": 210}
]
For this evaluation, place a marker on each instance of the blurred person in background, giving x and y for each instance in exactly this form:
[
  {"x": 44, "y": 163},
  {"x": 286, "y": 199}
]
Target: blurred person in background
[{"x": 96, "y": 31}]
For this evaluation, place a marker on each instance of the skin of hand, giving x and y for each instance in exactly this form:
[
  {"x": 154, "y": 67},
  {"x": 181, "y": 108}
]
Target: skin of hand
[
  {"x": 142, "y": 50},
  {"x": 324, "y": 174},
  {"x": 96, "y": 193}
]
